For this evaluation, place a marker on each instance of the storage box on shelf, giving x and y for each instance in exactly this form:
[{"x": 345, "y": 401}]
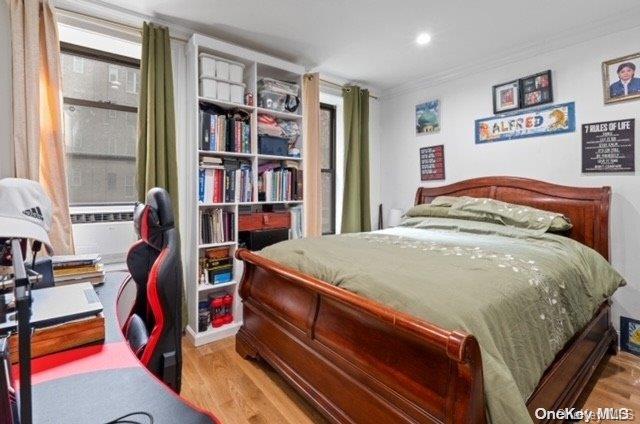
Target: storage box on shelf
[
  {"x": 223, "y": 167},
  {"x": 221, "y": 79}
]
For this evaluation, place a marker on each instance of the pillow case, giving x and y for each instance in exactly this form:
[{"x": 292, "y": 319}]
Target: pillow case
[{"x": 494, "y": 211}]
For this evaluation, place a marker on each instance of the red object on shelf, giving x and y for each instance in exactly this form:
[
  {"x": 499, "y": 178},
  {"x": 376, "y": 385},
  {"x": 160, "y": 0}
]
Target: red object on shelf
[{"x": 221, "y": 310}]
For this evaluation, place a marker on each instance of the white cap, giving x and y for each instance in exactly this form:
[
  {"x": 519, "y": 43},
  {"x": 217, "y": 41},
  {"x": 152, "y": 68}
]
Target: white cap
[{"x": 25, "y": 211}]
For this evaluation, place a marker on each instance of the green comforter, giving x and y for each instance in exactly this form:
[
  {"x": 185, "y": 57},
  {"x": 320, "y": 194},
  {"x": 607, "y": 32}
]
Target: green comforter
[{"x": 523, "y": 294}]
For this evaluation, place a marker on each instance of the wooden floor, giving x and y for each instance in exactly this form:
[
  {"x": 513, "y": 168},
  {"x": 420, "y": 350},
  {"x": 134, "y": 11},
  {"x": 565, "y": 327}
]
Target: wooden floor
[{"x": 214, "y": 377}]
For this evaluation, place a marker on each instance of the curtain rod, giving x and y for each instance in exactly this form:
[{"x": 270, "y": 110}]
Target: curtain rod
[
  {"x": 342, "y": 86},
  {"x": 102, "y": 21}
]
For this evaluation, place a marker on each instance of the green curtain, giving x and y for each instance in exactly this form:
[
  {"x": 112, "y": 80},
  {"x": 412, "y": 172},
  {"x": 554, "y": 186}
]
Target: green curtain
[
  {"x": 156, "y": 160},
  {"x": 157, "y": 156},
  {"x": 356, "y": 213}
]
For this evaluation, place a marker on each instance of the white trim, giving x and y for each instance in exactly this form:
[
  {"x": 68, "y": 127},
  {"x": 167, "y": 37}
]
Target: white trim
[{"x": 566, "y": 38}]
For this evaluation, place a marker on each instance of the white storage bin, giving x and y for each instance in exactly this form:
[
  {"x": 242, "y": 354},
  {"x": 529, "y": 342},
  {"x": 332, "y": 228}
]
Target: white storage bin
[
  {"x": 209, "y": 88},
  {"x": 237, "y": 93},
  {"x": 236, "y": 72},
  {"x": 222, "y": 69},
  {"x": 207, "y": 65},
  {"x": 223, "y": 91}
]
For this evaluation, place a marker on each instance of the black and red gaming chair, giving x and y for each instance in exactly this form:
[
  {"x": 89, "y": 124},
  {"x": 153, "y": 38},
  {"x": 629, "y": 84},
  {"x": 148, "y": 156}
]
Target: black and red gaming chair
[{"x": 154, "y": 327}]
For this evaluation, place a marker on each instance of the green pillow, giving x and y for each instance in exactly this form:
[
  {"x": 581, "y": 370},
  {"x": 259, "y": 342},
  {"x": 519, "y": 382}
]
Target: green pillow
[
  {"x": 493, "y": 211},
  {"x": 427, "y": 209},
  {"x": 514, "y": 215}
]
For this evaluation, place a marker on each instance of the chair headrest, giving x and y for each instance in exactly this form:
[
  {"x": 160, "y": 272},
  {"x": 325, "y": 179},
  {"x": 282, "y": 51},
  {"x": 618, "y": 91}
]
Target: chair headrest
[{"x": 152, "y": 218}]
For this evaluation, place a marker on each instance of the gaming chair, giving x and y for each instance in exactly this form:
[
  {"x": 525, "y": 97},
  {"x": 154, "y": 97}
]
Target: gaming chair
[{"x": 154, "y": 327}]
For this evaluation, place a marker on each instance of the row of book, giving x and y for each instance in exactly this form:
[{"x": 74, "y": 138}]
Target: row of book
[
  {"x": 69, "y": 269},
  {"x": 225, "y": 180},
  {"x": 279, "y": 182},
  {"x": 222, "y": 133},
  {"x": 216, "y": 226}
]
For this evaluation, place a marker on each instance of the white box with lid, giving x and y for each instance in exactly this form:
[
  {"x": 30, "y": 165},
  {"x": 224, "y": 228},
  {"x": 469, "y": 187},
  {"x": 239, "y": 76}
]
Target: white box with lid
[
  {"x": 208, "y": 88},
  {"x": 237, "y": 93},
  {"x": 223, "y": 91},
  {"x": 207, "y": 65},
  {"x": 222, "y": 70},
  {"x": 236, "y": 72}
]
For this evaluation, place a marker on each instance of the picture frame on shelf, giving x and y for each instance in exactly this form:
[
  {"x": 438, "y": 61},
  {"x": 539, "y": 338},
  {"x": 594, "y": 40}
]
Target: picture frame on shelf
[
  {"x": 506, "y": 97},
  {"x": 428, "y": 117},
  {"x": 621, "y": 78},
  {"x": 537, "y": 89}
]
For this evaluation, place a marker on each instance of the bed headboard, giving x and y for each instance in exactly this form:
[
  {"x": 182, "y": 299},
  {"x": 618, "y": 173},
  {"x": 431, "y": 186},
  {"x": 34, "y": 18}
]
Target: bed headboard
[{"x": 586, "y": 207}]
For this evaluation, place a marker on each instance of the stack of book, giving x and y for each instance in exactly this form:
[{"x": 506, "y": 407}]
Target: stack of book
[
  {"x": 222, "y": 133},
  {"x": 225, "y": 180},
  {"x": 216, "y": 226},
  {"x": 71, "y": 269},
  {"x": 217, "y": 266},
  {"x": 279, "y": 182}
]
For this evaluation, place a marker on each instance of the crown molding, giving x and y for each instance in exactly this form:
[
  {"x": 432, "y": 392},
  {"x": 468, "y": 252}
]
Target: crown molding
[{"x": 564, "y": 39}]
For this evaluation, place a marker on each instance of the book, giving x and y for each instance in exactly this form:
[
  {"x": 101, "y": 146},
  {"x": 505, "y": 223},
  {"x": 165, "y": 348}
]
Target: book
[
  {"x": 78, "y": 270},
  {"x": 70, "y": 261},
  {"x": 216, "y": 226}
]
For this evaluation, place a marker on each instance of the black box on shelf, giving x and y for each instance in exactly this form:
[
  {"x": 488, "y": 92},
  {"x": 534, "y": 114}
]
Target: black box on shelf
[
  {"x": 269, "y": 145},
  {"x": 259, "y": 239}
]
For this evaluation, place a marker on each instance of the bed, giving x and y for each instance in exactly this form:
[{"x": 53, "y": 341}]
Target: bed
[{"x": 358, "y": 360}]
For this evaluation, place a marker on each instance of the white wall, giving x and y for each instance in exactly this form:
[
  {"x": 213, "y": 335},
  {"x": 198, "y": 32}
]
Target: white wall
[
  {"x": 576, "y": 77},
  {"x": 6, "y": 146}
]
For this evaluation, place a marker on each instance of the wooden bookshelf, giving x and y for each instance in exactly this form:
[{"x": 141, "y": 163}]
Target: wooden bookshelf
[{"x": 256, "y": 66}]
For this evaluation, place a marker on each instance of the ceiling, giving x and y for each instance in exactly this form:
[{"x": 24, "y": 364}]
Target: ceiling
[{"x": 373, "y": 41}]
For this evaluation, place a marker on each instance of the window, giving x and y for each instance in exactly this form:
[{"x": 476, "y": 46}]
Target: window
[
  {"x": 328, "y": 167},
  {"x": 100, "y": 125}
]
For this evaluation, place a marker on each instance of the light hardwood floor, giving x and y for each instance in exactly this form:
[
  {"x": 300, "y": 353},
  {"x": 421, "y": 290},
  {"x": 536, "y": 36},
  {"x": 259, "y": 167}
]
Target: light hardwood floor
[{"x": 239, "y": 391}]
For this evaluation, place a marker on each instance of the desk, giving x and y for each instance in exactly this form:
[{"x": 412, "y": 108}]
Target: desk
[{"x": 99, "y": 383}]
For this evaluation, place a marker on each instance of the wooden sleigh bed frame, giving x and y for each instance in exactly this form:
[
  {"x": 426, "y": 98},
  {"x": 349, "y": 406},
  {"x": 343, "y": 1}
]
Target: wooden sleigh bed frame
[{"x": 359, "y": 361}]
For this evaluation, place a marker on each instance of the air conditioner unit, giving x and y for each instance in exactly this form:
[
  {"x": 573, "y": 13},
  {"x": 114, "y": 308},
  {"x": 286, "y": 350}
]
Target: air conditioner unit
[{"x": 109, "y": 234}]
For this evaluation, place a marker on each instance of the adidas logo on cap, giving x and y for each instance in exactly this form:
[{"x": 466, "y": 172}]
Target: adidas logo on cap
[{"x": 34, "y": 213}]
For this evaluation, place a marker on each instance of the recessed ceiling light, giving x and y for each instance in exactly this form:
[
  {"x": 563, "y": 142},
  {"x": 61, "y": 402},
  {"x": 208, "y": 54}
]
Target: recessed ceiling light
[{"x": 423, "y": 39}]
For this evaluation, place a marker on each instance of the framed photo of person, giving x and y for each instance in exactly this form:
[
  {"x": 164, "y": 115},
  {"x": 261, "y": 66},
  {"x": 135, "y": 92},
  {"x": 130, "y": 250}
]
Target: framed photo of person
[
  {"x": 506, "y": 96},
  {"x": 621, "y": 78},
  {"x": 536, "y": 89}
]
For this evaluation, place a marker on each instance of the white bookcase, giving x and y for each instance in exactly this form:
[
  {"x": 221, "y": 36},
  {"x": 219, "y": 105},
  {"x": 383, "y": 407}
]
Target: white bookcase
[{"x": 256, "y": 66}]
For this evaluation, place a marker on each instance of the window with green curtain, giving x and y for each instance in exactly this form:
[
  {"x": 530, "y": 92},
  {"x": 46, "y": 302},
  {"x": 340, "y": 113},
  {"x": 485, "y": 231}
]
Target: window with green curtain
[{"x": 356, "y": 213}]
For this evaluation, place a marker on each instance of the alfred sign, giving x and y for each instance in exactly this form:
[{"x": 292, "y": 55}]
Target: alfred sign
[{"x": 608, "y": 146}]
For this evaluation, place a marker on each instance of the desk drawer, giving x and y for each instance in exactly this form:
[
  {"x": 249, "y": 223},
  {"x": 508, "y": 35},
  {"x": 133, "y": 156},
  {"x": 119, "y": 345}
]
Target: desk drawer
[{"x": 263, "y": 221}]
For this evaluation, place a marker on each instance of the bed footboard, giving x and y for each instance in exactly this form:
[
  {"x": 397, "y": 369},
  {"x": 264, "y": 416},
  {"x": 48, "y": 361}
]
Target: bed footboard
[{"x": 354, "y": 359}]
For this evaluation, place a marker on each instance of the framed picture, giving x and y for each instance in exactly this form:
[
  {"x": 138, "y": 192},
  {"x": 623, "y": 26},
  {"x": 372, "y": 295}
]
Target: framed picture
[
  {"x": 506, "y": 96},
  {"x": 428, "y": 117},
  {"x": 621, "y": 79},
  {"x": 537, "y": 89},
  {"x": 630, "y": 335},
  {"x": 432, "y": 163}
]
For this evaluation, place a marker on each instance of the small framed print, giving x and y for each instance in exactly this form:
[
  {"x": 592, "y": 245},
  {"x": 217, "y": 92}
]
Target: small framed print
[
  {"x": 630, "y": 335},
  {"x": 620, "y": 79},
  {"x": 506, "y": 96},
  {"x": 536, "y": 89},
  {"x": 428, "y": 117}
]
